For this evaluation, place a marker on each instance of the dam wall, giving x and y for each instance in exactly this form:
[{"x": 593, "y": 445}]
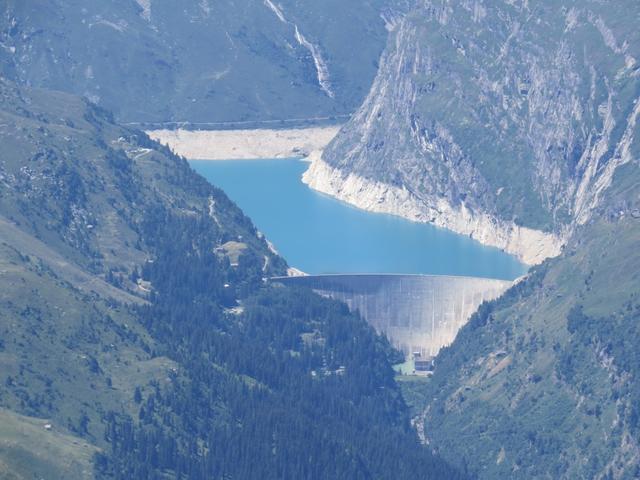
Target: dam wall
[{"x": 418, "y": 313}]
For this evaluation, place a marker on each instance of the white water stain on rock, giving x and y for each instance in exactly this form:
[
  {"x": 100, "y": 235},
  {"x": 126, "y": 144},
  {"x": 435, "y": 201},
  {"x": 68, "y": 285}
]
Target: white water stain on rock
[
  {"x": 322, "y": 70},
  {"x": 515, "y": 155},
  {"x": 146, "y": 9},
  {"x": 530, "y": 246}
]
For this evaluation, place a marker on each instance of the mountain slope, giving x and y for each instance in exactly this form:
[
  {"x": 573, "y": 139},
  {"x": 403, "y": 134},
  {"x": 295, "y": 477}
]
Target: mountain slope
[
  {"x": 138, "y": 338},
  {"x": 501, "y": 120},
  {"x": 199, "y": 60},
  {"x": 545, "y": 382},
  {"x": 517, "y": 123}
]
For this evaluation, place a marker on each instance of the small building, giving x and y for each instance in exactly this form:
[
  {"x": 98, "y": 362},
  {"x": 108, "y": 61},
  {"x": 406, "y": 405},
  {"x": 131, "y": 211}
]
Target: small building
[{"x": 423, "y": 365}]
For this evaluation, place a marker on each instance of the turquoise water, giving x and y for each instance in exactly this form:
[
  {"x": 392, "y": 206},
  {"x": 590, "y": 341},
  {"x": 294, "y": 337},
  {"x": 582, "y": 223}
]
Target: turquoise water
[{"x": 319, "y": 234}]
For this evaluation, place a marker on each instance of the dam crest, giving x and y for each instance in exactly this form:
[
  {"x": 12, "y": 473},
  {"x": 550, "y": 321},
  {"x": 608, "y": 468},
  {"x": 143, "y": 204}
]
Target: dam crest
[{"x": 417, "y": 313}]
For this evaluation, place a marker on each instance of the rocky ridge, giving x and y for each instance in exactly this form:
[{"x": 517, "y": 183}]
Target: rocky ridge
[{"x": 504, "y": 121}]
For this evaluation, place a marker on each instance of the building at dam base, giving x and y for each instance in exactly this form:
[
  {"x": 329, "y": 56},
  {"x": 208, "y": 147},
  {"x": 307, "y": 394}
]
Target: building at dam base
[{"x": 418, "y": 313}]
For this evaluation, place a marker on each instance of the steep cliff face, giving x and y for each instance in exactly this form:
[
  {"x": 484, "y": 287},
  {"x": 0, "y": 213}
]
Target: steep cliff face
[
  {"x": 200, "y": 60},
  {"x": 500, "y": 120}
]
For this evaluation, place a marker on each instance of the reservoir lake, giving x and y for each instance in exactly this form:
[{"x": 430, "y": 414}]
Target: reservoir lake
[{"x": 319, "y": 234}]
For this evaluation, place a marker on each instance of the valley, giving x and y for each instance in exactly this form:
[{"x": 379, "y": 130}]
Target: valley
[
  {"x": 320, "y": 235},
  {"x": 131, "y": 332},
  {"x": 277, "y": 239}
]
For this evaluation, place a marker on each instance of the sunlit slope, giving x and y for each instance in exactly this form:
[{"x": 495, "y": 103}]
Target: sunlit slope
[{"x": 544, "y": 382}]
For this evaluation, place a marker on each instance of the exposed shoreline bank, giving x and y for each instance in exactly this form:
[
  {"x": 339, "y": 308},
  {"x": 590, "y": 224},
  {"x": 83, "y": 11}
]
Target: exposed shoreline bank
[
  {"x": 245, "y": 144},
  {"x": 530, "y": 246}
]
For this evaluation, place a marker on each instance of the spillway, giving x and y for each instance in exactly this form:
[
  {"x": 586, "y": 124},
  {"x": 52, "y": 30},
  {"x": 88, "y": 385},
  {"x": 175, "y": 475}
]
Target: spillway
[{"x": 418, "y": 313}]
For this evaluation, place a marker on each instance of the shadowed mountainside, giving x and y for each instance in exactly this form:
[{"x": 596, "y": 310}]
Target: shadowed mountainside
[{"x": 200, "y": 60}]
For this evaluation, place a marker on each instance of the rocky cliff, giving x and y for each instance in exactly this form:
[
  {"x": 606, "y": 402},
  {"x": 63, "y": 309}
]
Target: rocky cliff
[{"x": 501, "y": 120}]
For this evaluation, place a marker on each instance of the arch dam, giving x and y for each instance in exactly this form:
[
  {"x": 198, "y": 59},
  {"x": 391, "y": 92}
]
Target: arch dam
[{"x": 417, "y": 313}]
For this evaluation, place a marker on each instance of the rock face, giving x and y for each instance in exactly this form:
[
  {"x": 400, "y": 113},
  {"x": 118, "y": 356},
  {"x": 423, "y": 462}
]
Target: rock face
[
  {"x": 504, "y": 121},
  {"x": 200, "y": 60},
  {"x": 529, "y": 245}
]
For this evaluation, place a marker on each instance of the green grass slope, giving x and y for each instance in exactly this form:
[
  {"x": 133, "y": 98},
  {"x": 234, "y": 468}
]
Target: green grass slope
[
  {"x": 31, "y": 448},
  {"x": 545, "y": 382}
]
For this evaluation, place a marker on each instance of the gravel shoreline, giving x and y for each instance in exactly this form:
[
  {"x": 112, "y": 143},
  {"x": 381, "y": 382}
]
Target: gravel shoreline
[{"x": 245, "y": 144}]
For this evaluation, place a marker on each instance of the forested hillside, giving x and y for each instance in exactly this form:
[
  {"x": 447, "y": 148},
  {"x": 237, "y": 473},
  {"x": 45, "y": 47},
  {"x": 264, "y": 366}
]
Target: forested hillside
[
  {"x": 138, "y": 338},
  {"x": 545, "y": 382}
]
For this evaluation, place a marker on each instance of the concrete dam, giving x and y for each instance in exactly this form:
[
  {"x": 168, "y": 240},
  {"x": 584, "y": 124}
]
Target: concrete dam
[{"x": 418, "y": 313}]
